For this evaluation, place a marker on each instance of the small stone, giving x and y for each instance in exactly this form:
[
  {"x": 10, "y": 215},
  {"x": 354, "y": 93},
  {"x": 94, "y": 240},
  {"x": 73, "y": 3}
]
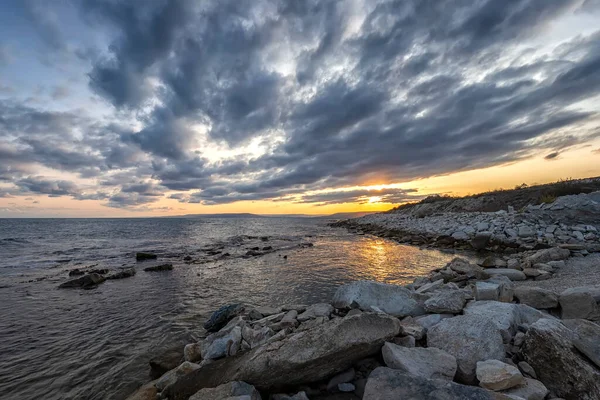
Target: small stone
[
  {"x": 405, "y": 341},
  {"x": 346, "y": 387},
  {"x": 496, "y": 375},
  {"x": 161, "y": 267},
  {"x": 512, "y": 274},
  {"x": 527, "y": 369},
  {"x": 316, "y": 310},
  {"x": 430, "y": 287},
  {"x": 145, "y": 256},
  {"x": 487, "y": 291},
  {"x": 342, "y": 377},
  {"x": 531, "y": 273},
  {"x": 525, "y": 231},
  {"x": 530, "y": 390},
  {"x": 423, "y": 362},
  {"x": 513, "y": 263},
  {"x": 173, "y": 375},
  {"x": 192, "y": 352},
  {"x": 518, "y": 340}
]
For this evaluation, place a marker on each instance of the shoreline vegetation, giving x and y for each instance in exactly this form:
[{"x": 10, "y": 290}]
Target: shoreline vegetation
[{"x": 468, "y": 330}]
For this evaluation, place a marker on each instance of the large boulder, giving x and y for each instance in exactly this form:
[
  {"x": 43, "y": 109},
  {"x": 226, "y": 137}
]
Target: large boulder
[
  {"x": 548, "y": 348},
  {"x": 531, "y": 389},
  {"x": 470, "y": 339},
  {"x": 222, "y": 316},
  {"x": 588, "y": 338},
  {"x": 430, "y": 363},
  {"x": 391, "y": 299},
  {"x": 446, "y": 301},
  {"x": 315, "y": 311},
  {"x": 497, "y": 375},
  {"x": 580, "y": 302},
  {"x": 88, "y": 281},
  {"x": 536, "y": 297},
  {"x": 166, "y": 360},
  {"x": 386, "y": 384},
  {"x": 235, "y": 389},
  {"x": 173, "y": 375},
  {"x": 224, "y": 343},
  {"x": 305, "y": 357},
  {"x": 506, "y": 316}
]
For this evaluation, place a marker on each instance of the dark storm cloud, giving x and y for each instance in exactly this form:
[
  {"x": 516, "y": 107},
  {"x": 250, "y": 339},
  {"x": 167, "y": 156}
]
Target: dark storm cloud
[
  {"x": 51, "y": 188},
  {"x": 339, "y": 93}
]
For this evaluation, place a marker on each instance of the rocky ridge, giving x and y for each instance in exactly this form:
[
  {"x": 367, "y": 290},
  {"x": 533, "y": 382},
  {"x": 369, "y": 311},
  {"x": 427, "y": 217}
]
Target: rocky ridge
[{"x": 475, "y": 337}]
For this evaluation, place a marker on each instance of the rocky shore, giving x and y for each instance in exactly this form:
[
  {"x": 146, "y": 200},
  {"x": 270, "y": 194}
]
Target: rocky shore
[{"x": 464, "y": 332}]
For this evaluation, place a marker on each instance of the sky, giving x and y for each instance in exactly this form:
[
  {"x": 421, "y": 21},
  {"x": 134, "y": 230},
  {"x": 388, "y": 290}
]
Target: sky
[{"x": 165, "y": 107}]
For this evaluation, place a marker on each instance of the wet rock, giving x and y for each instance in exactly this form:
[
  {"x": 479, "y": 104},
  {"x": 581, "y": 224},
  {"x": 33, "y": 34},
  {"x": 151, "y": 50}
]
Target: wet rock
[
  {"x": 192, "y": 352},
  {"x": 228, "y": 391},
  {"x": 84, "y": 282},
  {"x": 266, "y": 310},
  {"x": 536, "y": 297},
  {"x": 145, "y": 256},
  {"x": 469, "y": 339},
  {"x": 386, "y": 384},
  {"x": 391, "y": 299},
  {"x": 256, "y": 337},
  {"x": 161, "y": 267},
  {"x": 580, "y": 302},
  {"x": 222, "y": 316},
  {"x": 76, "y": 272},
  {"x": 173, "y": 375},
  {"x": 451, "y": 302},
  {"x": 430, "y": 363},
  {"x": 315, "y": 311},
  {"x": 512, "y": 274},
  {"x": 166, "y": 361},
  {"x": 146, "y": 392},
  {"x": 530, "y": 390},
  {"x": 548, "y": 348},
  {"x": 125, "y": 273},
  {"x": 431, "y": 286},
  {"x": 302, "y": 358},
  {"x": 496, "y": 375}
]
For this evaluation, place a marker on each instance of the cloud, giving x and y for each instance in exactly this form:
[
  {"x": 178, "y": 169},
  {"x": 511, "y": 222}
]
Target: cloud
[
  {"x": 60, "y": 92},
  {"x": 393, "y": 196},
  {"x": 596, "y": 151},
  {"x": 552, "y": 156},
  {"x": 306, "y": 97}
]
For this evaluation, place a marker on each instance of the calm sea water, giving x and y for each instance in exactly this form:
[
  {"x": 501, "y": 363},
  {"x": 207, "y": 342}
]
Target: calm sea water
[{"x": 95, "y": 344}]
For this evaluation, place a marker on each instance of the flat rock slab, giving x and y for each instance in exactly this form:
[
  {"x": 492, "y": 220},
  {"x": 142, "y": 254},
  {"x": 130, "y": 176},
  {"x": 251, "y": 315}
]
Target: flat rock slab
[
  {"x": 512, "y": 274},
  {"x": 391, "y": 299},
  {"x": 536, "y": 297},
  {"x": 387, "y": 384},
  {"x": 588, "y": 338},
  {"x": 305, "y": 357},
  {"x": 581, "y": 302},
  {"x": 430, "y": 363},
  {"x": 497, "y": 375}
]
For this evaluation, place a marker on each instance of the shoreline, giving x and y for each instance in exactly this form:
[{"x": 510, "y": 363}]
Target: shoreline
[{"x": 469, "y": 325}]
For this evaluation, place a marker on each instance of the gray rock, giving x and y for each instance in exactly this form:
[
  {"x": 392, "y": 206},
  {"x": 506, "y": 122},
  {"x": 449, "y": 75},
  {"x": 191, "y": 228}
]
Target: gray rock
[
  {"x": 536, "y": 297},
  {"x": 256, "y": 337},
  {"x": 446, "y": 302},
  {"x": 546, "y": 255},
  {"x": 405, "y": 341},
  {"x": 265, "y": 311},
  {"x": 391, "y": 299},
  {"x": 222, "y": 316},
  {"x": 506, "y": 316},
  {"x": 548, "y": 348},
  {"x": 302, "y": 358},
  {"x": 530, "y": 390},
  {"x": 526, "y": 368},
  {"x": 88, "y": 281},
  {"x": 506, "y": 287},
  {"x": 192, "y": 352},
  {"x": 315, "y": 311},
  {"x": 470, "y": 339},
  {"x": 427, "y": 321},
  {"x": 173, "y": 375},
  {"x": 124, "y": 273},
  {"x": 487, "y": 291},
  {"x": 588, "y": 338},
  {"x": 580, "y": 302},
  {"x": 531, "y": 272},
  {"x": 159, "y": 268},
  {"x": 408, "y": 326},
  {"x": 430, "y": 363},
  {"x": 342, "y": 377},
  {"x": 460, "y": 235},
  {"x": 512, "y": 274},
  {"x": 497, "y": 375},
  {"x": 166, "y": 360},
  {"x": 227, "y": 391},
  {"x": 431, "y": 286},
  {"x": 481, "y": 240},
  {"x": 297, "y": 396},
  {"x": 513, "y": 263},
  {"x": 525, "y": 231},
  {"x": 222, "y": 344},
  {"x": 387, "y": 384},
  {"x": 346, "y": 387}
]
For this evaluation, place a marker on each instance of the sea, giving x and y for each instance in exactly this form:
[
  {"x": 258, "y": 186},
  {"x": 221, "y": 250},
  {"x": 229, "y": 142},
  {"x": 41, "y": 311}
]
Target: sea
[{"x": 96, "y": 344}]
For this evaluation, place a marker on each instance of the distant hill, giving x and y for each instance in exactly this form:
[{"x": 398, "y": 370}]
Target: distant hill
[{"x": 346, "y": 215}]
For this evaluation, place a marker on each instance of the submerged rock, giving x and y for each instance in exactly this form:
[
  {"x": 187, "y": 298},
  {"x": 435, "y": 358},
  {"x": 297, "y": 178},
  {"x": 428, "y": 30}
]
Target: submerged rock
[
  {"x": 161, "y": 267},
  {"x": 125, "y": 273},
  {"x": 470, "y": 339},
  {"x": 305, "y": 357},
  {"x": 386, "y": 384},
  {"x": 145, "y": 256},
  {"x": 76, "y": 272},
  {"x": 391, "y": 299},
  {"x": 236, "y": 389},
  {"x": 85, "y": 282}
]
